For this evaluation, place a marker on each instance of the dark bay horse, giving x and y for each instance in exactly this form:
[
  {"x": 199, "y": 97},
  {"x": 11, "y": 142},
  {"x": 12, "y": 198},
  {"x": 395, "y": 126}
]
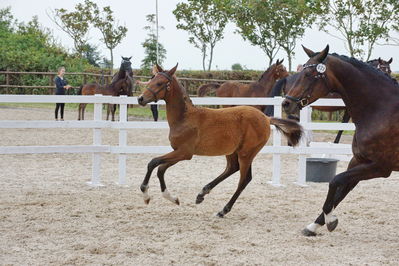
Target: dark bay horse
[
  {"x": 382, "y": 65},
  {"x": 284, "y": 85},
  {"x": 260, "y": 88},
  {"x": 372, "y": 100},
  {"x": 237, "y": 132},
  {"x": 121, "y": 84}
]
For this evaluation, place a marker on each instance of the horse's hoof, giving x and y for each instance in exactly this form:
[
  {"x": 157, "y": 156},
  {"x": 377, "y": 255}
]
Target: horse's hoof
[
  {"x": 146, "y": 201},
  {"x": 307, "y": 232},
  {"x": 199, "y": 199},
  {"x": 332, "y": 225},
  {"x": 177, "y": 201},
  {"x": 220, "y": 214}
]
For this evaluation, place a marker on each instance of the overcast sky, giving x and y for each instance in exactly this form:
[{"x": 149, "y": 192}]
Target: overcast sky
[{"x": 232, "y": 49}]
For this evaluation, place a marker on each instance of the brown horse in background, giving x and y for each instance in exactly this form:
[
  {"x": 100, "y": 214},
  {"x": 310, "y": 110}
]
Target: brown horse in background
[
  {"x": 372, "y": 100},
  {"x": 237, "y": 132},
  {"x": 260, "y": 88},
  {"x": 121, "y": 84}
]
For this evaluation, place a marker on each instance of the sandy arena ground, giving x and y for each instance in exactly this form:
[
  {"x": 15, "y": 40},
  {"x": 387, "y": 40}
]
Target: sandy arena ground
[{"x": 49, "y": 216}]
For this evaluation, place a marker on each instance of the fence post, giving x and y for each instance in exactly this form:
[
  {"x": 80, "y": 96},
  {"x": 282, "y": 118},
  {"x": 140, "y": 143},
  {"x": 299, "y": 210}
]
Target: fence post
[
  {"x": 8, "y": 81},
  {"x": 96, "y": 174},
  {"x": 277, "y": 143},
  {"x": 305, "y": 118},
  {"x": 122, "y": 143}
]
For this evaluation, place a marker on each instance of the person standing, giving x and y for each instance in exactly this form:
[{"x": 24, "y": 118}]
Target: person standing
[
  {"x": 154, "y": 106},
  {"x": 61, "y": 84}
]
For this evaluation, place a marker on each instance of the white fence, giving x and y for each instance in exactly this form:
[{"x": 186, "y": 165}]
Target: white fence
[{"x": 97, "y": 124}]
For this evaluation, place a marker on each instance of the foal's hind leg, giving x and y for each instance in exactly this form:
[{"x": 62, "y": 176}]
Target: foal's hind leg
[
  {"x": 165, "y": 193},
  {"x": 231, "y": 168},
  {"x": 245, "y": 178}
]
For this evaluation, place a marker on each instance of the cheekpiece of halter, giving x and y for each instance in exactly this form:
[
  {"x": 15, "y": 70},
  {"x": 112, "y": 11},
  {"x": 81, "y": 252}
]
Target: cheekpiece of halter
[
  {"x": 320, "y": 68},
  {"x": 167, "y": 86}
]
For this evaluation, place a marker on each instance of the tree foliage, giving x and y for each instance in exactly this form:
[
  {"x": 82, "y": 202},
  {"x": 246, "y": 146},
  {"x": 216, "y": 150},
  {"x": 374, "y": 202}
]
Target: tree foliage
[
  {"x": 359, "y": 23},
  {"x": 205, "y": 21},
  {"x": 150, "y": 45}
]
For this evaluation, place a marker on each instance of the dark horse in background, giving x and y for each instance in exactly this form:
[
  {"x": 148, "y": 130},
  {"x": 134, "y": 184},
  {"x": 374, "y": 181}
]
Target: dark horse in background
[
  {"x": 372, "y": 100},
  {"x": 121, "y": 84},
  {"x": 285, "y": 84},
  {"x": 260, "y": 88}
]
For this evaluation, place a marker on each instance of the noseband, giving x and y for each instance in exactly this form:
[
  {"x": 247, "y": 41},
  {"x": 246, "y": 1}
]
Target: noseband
[
  {"x": 166, "y": 87},
  {"x": 304, "y": 99}
]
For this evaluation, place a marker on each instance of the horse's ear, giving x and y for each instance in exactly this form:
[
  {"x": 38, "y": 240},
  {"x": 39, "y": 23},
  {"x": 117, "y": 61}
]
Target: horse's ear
[
  {"x": 173, "y": 70},
  {"x": 281, "y": 61},
  {"x": 278, "y": 62},
  {"x": 158, "y": 68},
  {"x": 309, "y": 52},
  {"x": 379, "y": 60},
  {"x": 130, "y": 58},
  {"x": 323, "y": 54},
  {"x": 390, "y": 60}
]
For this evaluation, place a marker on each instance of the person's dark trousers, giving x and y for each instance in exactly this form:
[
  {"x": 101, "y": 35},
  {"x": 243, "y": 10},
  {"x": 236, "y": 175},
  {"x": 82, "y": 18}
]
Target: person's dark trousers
[
  {"x": 59, "y": 106},
  {"x": 154, "y": 110}
]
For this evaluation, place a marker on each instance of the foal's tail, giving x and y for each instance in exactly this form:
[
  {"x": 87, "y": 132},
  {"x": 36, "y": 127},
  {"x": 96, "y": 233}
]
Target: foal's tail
[
  {"x": 290, "y": 128},
  {"x": 205, "y": 89}
]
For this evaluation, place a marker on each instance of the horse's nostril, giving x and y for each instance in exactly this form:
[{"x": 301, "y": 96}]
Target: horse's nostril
[
  {"x": 285, "y": 104},
  {"x": 140, "y": 99}
]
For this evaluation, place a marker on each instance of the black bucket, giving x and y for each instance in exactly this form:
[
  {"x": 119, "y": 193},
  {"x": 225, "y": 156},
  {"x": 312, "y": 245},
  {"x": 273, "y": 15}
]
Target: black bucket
[{"x": 320, "y": 169}]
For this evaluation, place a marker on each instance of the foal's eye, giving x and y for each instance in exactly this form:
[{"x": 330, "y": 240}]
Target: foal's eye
[{"x": 159, "y": 84}]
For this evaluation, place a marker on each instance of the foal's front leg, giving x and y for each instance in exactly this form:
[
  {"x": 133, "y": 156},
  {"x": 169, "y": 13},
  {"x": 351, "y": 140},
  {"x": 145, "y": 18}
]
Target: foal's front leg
[{"x": 168, "y": 159}]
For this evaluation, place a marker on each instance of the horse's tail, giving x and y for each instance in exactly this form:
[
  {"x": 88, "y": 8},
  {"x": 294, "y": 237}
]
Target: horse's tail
[
  {"x": 290, "y": 128},
  {"x": 276, "y": 91},
  {"x": 205, "y": 89},
  {"x": 80, "y": 90}
]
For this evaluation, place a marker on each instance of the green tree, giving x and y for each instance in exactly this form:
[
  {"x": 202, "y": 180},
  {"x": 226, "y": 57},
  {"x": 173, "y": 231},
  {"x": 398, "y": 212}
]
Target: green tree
[
  {"x": 237, "y": 67},
  {"x": 75, "y": 23},
  {"x": 256, "y": 24},
  {"x": 205, "y": 21},
  {"x": 92, "y": 55},
  {"x": 150, "y": 45},
  {"x": 290, "y": 20},
  {"x": 112, "y": 33},
  {"x": 359, "y": 23}
]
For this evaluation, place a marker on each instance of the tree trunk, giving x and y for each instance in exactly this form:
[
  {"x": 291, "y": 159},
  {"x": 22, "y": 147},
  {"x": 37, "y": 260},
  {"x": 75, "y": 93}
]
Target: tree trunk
[
  {"x": 112, "y": 61},
  {"x": 210, "y": 58},
  {"x": 203, "y": 57}
]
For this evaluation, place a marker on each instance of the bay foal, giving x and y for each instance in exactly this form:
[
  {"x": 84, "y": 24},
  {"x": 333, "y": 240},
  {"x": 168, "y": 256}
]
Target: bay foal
[{"x": 239, "y": 133}]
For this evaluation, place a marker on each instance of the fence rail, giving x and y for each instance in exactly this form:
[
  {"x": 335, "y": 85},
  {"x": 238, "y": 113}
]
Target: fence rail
[{"x": 97, "y": 124}]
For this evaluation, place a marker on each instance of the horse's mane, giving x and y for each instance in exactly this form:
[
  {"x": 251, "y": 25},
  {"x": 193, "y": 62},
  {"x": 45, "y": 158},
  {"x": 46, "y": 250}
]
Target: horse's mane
[
  {"x": 365, "y": 67},
  {"x": 265, "y": 72}
]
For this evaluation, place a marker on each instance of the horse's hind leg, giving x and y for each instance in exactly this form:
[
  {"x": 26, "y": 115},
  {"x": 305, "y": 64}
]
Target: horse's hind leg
[
  {"x": 165, "y": 193},
  {"x": 231, "y": 168},
  {"x": 245, "y": 178}
]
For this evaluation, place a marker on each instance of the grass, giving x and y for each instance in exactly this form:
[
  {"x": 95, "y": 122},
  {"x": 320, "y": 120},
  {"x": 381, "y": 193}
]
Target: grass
[{"x": 137, "y": 111}]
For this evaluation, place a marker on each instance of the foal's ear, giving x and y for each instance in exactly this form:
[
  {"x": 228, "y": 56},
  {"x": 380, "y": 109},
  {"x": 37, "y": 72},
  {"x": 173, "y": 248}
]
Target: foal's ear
[
  {"x": 173, "y": 70},
  {"x": 390, "y": 60},
  {"x": 159, "y": 68},
  {"x": 323, "y": 54},
  {"x": 309, "y": 52}
]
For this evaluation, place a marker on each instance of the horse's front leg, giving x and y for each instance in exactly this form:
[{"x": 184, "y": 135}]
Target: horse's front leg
[{"x": 167, "y": 159}]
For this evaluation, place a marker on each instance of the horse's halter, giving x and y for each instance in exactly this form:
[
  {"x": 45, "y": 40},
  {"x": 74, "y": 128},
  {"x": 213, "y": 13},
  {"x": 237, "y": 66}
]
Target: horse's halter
[
  {"x": 304, "y": 99},
  {"x": 384, "y": 68},
  {"x": 166, "y": 87}
]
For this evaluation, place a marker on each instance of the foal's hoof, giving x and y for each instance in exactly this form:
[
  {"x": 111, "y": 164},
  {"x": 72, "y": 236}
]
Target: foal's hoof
[
  {"x": 147, "y": 201},
  {"x": 307, "y": 232},
  {"x": 199, "y": 199},
  {"x": 220, "y": 214},
  {"x": 177, "y": 201},
  {"x": 332, "y": 225}
]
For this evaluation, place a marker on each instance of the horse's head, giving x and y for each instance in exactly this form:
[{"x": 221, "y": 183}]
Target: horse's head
[
  {"x": 277, "y": 71},
  {"x": 126, "y": 65},
  {"x": 384, "y": 66},
  {"x": 158, "y": 86},
  {"x": 310, "y": 84}
]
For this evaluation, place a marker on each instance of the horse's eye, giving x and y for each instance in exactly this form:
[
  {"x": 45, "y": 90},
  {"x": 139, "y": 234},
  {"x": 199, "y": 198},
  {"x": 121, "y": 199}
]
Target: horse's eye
[
  {"x": 307, "y": 74},
  {"x": 159, "y": 84}
]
